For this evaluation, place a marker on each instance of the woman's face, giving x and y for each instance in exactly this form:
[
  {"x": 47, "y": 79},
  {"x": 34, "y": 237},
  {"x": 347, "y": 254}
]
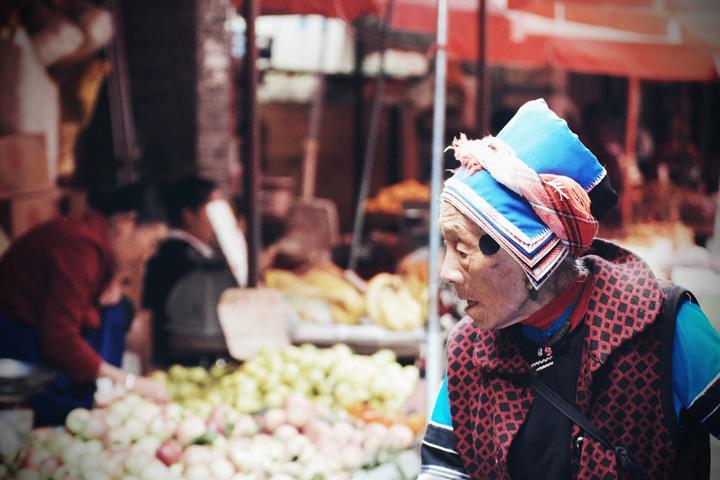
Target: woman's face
[{"x": 491, "y": 281}]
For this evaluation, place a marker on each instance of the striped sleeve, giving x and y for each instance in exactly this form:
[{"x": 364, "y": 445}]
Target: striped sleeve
[
  {"x": 696, "y": 369},
  {"x": 440, "y": 460}
]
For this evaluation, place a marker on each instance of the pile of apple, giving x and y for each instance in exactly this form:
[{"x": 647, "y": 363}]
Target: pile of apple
[
  {"x": 134, "y": 439},
  {"x": 334, "y": 377}
]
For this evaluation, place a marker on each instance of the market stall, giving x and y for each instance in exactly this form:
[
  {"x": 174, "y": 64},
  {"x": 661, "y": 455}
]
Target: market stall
[
  {"x": 302, "y": 412},
  {"x": 319, "y": 315},
  {"x": 336, "y": 394}
]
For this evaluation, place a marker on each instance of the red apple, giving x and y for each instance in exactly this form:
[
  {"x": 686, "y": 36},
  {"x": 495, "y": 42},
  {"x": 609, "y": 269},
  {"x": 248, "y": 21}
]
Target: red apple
[{"x": 169, "y": 452}]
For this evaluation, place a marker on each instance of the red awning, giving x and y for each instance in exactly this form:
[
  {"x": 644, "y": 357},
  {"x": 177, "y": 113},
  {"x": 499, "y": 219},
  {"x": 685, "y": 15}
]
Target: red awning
[
  {"x": 618, "y": 37},
  {"x": 656, "y": 62},
  {"x": 421, "y": 16}
]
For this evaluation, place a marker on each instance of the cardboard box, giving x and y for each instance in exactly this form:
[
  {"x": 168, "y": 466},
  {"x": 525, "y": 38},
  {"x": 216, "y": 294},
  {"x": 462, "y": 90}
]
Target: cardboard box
[
  {"x": 20, "y": 212},
  {"x": 252, "y": 319},
  {"x": 23, "y": 163}
]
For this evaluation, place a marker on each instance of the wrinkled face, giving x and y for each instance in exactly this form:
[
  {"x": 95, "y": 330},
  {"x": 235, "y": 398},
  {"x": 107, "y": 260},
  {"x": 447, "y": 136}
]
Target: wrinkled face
[{"x": 489, "y": 279}]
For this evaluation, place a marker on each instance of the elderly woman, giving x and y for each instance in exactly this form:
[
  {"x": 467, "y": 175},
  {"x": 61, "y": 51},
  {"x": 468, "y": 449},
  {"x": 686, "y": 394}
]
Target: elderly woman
[{"x": 574, "y": 361}]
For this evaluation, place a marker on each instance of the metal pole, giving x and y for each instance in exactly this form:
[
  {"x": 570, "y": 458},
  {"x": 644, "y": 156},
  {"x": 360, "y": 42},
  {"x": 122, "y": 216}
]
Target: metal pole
[
  {"x": 714, "y": 244},
  {"x": 358, "y": 113},
  {"x": 312, "y": 144},
  {"x": 480, "y": 110},
  {"x": 433, "y": 348},
  {"x": 369, "y": 159},
  {"x": 122, "y": 118},
  {"x": 250, "y": 143}
]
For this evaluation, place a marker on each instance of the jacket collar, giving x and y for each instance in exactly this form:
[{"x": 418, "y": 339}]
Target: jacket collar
[{"x": 204, "y": 249}]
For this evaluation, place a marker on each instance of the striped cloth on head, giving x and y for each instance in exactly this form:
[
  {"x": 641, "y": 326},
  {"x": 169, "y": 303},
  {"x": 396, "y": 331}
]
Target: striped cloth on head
[
  {"x": 530, "y": 189},
  {"x": 559, "y": 201}
]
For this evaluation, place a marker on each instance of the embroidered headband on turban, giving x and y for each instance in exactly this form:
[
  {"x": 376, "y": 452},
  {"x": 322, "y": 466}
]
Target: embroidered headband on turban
[{"x": 534, "y": 188}]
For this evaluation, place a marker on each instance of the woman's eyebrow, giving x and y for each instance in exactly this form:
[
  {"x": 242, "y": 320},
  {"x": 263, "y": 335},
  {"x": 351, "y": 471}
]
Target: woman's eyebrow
[
  {"x": 454, "y": 232},
  {"x": 450, "y": 233}
]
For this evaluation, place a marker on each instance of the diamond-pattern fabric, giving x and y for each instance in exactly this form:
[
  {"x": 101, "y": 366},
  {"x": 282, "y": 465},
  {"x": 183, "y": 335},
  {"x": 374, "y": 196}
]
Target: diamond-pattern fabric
[{"x": 619, "y": 385}]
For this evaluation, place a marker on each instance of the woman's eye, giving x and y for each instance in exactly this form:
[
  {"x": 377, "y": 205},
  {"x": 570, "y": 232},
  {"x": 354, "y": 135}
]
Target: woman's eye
[{"x": 488, "y": 246}]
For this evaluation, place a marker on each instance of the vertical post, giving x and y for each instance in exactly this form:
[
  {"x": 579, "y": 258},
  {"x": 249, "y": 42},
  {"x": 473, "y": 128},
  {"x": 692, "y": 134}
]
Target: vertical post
[
  {"x": 358, "y": 113},
  {"x": 312, "y": 144},
  {"x": 706, "y": 136},
  {"x": 369, "y": 158},
  {"x": 433, "y": 350},
  {"x": 628, "y": 165},
  {"x": 212, "y": 102},
  {"x": 122, "y": 120},
  {"x": 714, "y": 244},
  {"x": 481, "y": 83},
  {"x": 251, "y": 173},
  {"x": 410, "y": 167}
]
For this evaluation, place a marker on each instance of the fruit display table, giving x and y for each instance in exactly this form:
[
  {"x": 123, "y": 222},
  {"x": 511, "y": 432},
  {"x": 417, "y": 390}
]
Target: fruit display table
[
  {"x": 296, "y": 413},
  {"x": 362, "y": 338}
]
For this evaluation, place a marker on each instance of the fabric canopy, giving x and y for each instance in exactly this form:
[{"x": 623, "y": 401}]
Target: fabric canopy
[
  {"x": 680, "y": 40},
  {"x": 657, "y": 62},
  {"x": 619, "y": 37},
  {"x": 695, "y": 24},
  {"x": 420, "y": 16}
]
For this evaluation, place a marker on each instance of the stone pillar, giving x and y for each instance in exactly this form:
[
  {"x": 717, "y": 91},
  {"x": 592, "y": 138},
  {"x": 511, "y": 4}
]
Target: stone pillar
[
  {"x": 179, "y": 68},
  {"x": 214, "y": 148}
]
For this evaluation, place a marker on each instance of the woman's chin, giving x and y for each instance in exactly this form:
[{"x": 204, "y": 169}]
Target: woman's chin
[{"x": 488, "y": 322}]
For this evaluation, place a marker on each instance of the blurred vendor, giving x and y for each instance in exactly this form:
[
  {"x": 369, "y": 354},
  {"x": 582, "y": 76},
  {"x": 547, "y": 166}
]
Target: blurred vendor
[
  {"x": 185, "y": 278},
  {"x": 56, "y": 284}
]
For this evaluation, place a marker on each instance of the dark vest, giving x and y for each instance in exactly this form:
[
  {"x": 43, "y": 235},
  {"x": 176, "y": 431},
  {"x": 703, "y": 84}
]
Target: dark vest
[{"x": 624, "y": 385}]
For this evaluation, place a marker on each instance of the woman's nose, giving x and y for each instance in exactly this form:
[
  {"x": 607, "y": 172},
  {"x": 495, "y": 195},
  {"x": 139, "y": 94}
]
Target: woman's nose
[{"x": 450, "y": 271}]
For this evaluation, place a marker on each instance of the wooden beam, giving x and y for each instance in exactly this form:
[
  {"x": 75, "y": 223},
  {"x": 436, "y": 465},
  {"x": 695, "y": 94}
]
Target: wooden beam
[
  {"x": 628, "y": 165},
  {"x": 481, "y": 114}
]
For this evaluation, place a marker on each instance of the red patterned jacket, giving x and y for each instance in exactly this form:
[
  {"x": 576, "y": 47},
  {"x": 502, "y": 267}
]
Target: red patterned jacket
[{"x": 624, "y": 385}]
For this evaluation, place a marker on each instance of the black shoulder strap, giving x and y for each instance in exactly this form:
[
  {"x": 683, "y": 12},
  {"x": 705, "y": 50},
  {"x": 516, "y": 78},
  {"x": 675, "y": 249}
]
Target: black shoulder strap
[
  {"x": 570, "y": 411},
  {"x": 674, "y": 295}
]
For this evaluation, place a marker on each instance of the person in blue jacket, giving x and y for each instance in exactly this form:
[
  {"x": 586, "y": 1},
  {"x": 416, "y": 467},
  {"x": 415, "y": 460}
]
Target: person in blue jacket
[{"x": 550, "y": 304}]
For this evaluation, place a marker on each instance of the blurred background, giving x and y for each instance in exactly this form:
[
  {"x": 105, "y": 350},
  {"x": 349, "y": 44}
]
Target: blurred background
[{"x": 323, "y": 110}]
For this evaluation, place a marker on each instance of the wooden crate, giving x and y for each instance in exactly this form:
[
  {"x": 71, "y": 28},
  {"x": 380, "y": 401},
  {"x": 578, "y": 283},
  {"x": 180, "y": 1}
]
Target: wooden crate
[
  {"x": 23, "y": 164},
  {"x": 20, "y": 212}
]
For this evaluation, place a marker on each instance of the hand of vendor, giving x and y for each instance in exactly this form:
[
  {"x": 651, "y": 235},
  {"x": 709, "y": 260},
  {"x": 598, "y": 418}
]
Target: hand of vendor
[
  {"x": 151, "y": 389},
  {"x": 112, "y": 294},
  {"x": 144, "y": 386}
]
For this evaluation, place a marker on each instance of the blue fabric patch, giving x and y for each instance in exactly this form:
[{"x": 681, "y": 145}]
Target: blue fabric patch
[
  {"x": 525, "y": 217},
  {"x": 507, "y": 203},
  {"x": 538, "y": 335},
  {"x": 441, "y": 412},
  {"x": 543, "y": 141},
  {"x": 22, "y": 342},
  {"x": 696, "y": 355}
]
